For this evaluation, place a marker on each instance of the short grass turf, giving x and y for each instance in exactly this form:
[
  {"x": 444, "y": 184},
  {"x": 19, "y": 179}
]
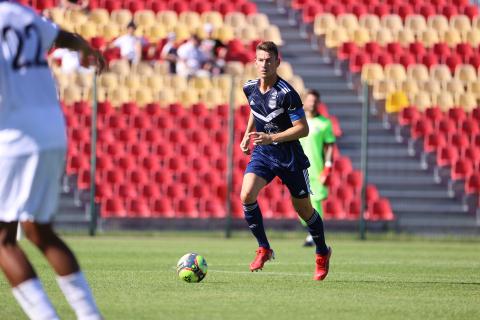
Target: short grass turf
[{"x": 133, "y": 277}]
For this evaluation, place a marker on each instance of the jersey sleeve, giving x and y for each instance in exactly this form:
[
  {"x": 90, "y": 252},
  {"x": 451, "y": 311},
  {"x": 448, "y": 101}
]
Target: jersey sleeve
[
  {"x": 294, "y": 106},
  {"x": 329, "y": 136},
  {"x": 48, "y": 30}
]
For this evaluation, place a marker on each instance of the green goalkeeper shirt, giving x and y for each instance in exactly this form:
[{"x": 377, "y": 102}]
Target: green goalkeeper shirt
[{"x": 321, "y": 133}]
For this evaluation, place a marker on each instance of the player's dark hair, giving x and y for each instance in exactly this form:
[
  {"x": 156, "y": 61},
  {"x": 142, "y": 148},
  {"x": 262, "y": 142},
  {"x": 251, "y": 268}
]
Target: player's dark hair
[
  {"x": 314, "y": 93},
  {"x": 269, "y": 47}
]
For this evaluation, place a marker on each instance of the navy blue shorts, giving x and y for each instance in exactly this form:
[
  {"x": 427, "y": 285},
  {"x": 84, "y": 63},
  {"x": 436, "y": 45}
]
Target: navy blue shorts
[{"x": 297, "y": 182}]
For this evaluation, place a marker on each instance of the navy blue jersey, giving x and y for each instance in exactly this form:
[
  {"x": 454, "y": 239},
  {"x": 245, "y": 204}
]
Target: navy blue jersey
[{"x": 274, "y": 112}]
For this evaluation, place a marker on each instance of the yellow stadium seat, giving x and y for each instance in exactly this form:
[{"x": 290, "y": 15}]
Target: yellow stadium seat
[
  {"x": 102, "y": 94},
  {"x": 468, "y": 101},
  {"x": 466, "y": 73},
  {"x": 396, "y": 101},
  {"x": 382, "y": 36},
  {"x": 143, "y": 96},
  {"x": 192, "y": 20},
  {"x": 213, "y": 97},
  {"x": 143, "y": 69},
  {"x": 119, "y": 95},
  {"x": 156, "y": 32},
  {"x": 108, "y": 80},
  {"x": 212, "y": 17},
  {"x": 259, "y": 20},
  {"x": 422, "y": 100},
  {"x": 461, "y": 23},
  {"x": 454, "y": 86},
  {"x": 167, "y": 18},
  {"x": 323, "y": 23},
  {"x": 272, "y": 33},
  {"x": 88, "y": 30},
  {"x": 440, "y": 72},
  {"x": 348, "y": 21},
  {"x": 182, "y": 32},
  {"x": 369, "y": 22},
  {"x": 249, "y": 33},
  {"x": 155, "y": 82},
  {"x": 224, "y": 33},
  {"x": 439, "y": 23},
  {"x": 235, "y": 68},
  {"x": 395, "y": 72},
  {"x": 223, "y": 82},
  {"x": 132, "y": 82},
  {"x": 250, "y": 72},
  {"x": 444, "y": 100},
  {"x": 99, "y": 16},
  {"x": 200, "y": 83},
  {"x": 188, "y": 96},
  {"x": 75, "y": 17},
  {"x": 474, "y": 88},
  {"x": 429, "y": 37},
  {"x": 451, "y": 36},
  {"x": 473, "y": 37},
  {"x": 110, "y": 31},
  {"x": 120, "y": 67},
  {"x": 405, "y": 37},
  {"x": 144, "y": 18},
  {"x": 235, "y": 19},
  {"x": 71, "y": 94},
  {"x": 165, "y": 97},
  {"x": 382, "y": 88},
  {"x": 176, "y": 82},
  {"x": 285, "y": 70},
  {"x": 416, "y": 23},
  {"x": 335, "y": 37},
  {"x": 57, "y": 14},
  {"x": 418, "y": 72},
  {"x": 84, "y": 79},
  {"x": 121, "y": 16},
  {"x": 161, "y": 67},
  {"x": 239, "y": 97},
  {"x": 392, "y": 22},
  {"x": 433, "y": 86},
  {"x": 409, "y": 87},
  {"x": 360, "y": 36},
  {"x": 371, "y": 73}
]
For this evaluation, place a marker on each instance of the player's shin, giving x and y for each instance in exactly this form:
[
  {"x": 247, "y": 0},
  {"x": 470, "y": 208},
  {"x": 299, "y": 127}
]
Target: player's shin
[
  {"x": 79, "y": 296},
  {"x": 254, "y": 218},
  {"x": 315, "y": 227}
]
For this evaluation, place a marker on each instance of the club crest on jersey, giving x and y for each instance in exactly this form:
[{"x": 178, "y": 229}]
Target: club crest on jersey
[{"x": 272, "y": 102}]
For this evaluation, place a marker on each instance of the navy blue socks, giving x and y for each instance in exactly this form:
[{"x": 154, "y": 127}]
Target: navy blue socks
[
  {"x": 315, "y": 227},
  {"x": 254, "y": 218}
]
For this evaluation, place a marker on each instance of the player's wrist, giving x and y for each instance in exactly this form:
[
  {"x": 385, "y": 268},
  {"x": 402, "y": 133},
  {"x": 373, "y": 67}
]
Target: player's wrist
[{"x": 328, "y": 164}]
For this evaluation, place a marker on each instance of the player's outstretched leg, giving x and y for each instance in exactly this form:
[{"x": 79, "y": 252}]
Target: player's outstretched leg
[
  {"x": 26, "y": 287},
  {"x": 70, "y": 278}
]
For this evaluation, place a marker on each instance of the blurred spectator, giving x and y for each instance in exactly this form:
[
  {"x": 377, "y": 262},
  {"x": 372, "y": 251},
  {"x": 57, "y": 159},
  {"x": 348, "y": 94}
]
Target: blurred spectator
[
  {"x": 214, "y": 50},
  {"x": 191, "y": 59},
  {"x": 130, "y": 45},
  {"x": 169, "y": 52},
  {"x": 70, "y": 61}
]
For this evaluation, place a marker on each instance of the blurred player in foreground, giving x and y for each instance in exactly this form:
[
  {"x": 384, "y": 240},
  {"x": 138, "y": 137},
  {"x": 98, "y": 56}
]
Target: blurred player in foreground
[
  {"x": 318, "y": 146},
  {"x": 32, "y": 153},
  {"x": 276, "y": 122}
]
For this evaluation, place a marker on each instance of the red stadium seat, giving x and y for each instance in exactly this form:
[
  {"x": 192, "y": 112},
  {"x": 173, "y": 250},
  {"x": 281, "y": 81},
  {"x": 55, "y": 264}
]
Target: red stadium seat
[
  {"x": 162, "y": 207},
  {"x": 138, "y": 177},
  {"x": 446, "y": 156},
  {"x": 187, "y": 207},
  {"x": 433, "y": 141},
  {"x": 461, "y": 169},
  {"x": 407, "y": 115},
  {"x": 113, "y": 208},
  {"x": 333, "y": 209},
  {"x": 472, "y": 184},
  {"x": 138, "y": 208},
  {"x": 380, "y": 210},
  {"x": 346, "y": 50},
  {"x": 420, "y": 128},
  {"x": 354, "y": 180},
  {"x": 357, "y": 60}
]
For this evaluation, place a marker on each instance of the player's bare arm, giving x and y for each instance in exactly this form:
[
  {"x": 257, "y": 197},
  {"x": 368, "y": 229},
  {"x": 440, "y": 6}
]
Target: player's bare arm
[
  {"x": 245, "y": 144},
  {"x": 75, "y": 42},
  {"x": 328, "y": 150},
  {"x": 299, "y": 130}
]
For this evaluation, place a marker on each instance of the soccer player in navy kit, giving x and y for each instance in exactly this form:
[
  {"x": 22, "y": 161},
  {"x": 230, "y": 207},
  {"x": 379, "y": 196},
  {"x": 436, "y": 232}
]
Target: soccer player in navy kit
[{"x": 276, "y": 122}]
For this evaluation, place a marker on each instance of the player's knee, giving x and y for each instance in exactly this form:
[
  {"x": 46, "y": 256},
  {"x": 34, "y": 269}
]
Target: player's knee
[{"x": 247, "y": 197}]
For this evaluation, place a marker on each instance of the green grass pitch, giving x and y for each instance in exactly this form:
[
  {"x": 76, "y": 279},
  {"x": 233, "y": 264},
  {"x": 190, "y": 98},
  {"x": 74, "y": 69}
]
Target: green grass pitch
[{"x": 133, "y": 277}]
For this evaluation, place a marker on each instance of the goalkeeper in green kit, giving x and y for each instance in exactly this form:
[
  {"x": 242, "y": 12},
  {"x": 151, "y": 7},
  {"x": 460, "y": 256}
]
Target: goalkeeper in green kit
[{"x": 318, "y": 147}]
